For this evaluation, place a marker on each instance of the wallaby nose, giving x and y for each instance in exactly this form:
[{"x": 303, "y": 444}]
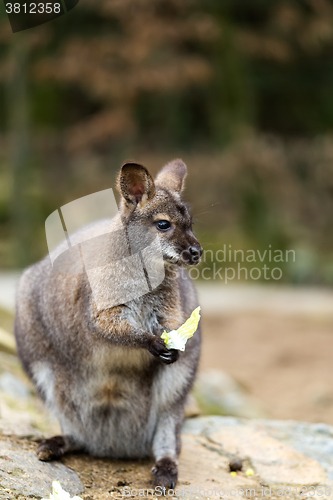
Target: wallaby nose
[{"x": 195, "y": 252}]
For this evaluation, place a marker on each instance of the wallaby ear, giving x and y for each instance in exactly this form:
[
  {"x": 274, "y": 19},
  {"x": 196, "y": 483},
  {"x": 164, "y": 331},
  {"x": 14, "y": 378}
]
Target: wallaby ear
[
  {"x": 172, "y": 176},
  {"x": 135, "y": 183}
]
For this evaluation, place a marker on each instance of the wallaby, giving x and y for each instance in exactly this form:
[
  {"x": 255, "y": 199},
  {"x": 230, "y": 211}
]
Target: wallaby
[{"x": 115, "y": 388}]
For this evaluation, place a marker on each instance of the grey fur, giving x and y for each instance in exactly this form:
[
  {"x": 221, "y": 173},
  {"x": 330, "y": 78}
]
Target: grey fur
[{"x": 94, "y": 369}]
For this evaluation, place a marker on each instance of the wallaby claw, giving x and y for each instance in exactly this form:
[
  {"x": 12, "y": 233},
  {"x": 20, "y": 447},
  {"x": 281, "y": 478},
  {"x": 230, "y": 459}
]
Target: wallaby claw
[{"x": 169, "y": 357}]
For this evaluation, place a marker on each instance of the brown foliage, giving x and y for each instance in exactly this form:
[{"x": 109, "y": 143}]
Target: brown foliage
[{"x": 145, "y": 54}]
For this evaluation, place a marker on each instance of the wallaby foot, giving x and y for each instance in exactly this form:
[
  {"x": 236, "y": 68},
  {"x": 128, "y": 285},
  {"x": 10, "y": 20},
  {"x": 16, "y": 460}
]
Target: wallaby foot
[
  {"x": 54, "y": 448},
  {"x": 166, "y": 473}
]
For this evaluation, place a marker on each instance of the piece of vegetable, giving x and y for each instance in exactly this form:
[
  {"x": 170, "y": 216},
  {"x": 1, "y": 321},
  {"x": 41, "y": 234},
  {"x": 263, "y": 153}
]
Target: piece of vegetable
[
  {"x": 58, "y": 493},
  {"x": 176, "y": 339}
]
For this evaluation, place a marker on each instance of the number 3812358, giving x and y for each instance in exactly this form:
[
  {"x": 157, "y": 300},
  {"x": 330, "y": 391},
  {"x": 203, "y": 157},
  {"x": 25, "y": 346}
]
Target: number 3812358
[{"x": 33, "y": 8}]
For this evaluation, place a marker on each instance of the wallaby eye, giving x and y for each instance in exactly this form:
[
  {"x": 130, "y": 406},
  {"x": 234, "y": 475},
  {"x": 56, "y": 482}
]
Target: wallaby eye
[{"x": 163, "y": 225}]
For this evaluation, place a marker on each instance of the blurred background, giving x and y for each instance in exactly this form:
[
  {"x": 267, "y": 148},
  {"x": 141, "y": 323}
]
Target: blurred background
[{"x": 242, "y": 92}]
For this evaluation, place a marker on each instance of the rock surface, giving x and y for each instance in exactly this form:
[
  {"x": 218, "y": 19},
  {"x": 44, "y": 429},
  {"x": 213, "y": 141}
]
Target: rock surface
[
  {"x": 21, "y": 473},
  {"x": 281, "y": 454}
]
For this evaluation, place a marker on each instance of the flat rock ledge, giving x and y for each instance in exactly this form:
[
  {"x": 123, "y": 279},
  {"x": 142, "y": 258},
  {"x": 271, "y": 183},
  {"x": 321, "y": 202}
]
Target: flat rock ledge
[{"x": 284, "y": 456}]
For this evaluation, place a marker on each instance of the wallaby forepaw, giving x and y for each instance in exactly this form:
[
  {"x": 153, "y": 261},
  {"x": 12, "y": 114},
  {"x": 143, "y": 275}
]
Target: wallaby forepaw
[
  {"x": 166, "y": 473},
  {"x": 158, "y": 348},
  {"x": 51, "y": 449}
]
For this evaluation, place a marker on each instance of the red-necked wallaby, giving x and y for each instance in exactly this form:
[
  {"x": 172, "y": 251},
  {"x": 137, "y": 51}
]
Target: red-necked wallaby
[{"x": 105, "y": 372}]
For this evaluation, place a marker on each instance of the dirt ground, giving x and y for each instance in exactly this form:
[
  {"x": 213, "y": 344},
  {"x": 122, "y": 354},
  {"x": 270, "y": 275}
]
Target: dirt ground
[{"x": 285, "y": 362}]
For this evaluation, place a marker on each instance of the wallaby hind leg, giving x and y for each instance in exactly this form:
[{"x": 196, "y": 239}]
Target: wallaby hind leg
[
  {"x": 55, "y": 447},
  {"x": 166, "y": 448}
]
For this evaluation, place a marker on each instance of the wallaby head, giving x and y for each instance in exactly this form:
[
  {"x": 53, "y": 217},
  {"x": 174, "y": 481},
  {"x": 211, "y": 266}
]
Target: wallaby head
[{"x": 159, "y": 209}]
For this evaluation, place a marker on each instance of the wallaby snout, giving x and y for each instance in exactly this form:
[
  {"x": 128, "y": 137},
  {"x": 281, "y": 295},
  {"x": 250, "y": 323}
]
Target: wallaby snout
[{"x": 193, "y": 253}]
